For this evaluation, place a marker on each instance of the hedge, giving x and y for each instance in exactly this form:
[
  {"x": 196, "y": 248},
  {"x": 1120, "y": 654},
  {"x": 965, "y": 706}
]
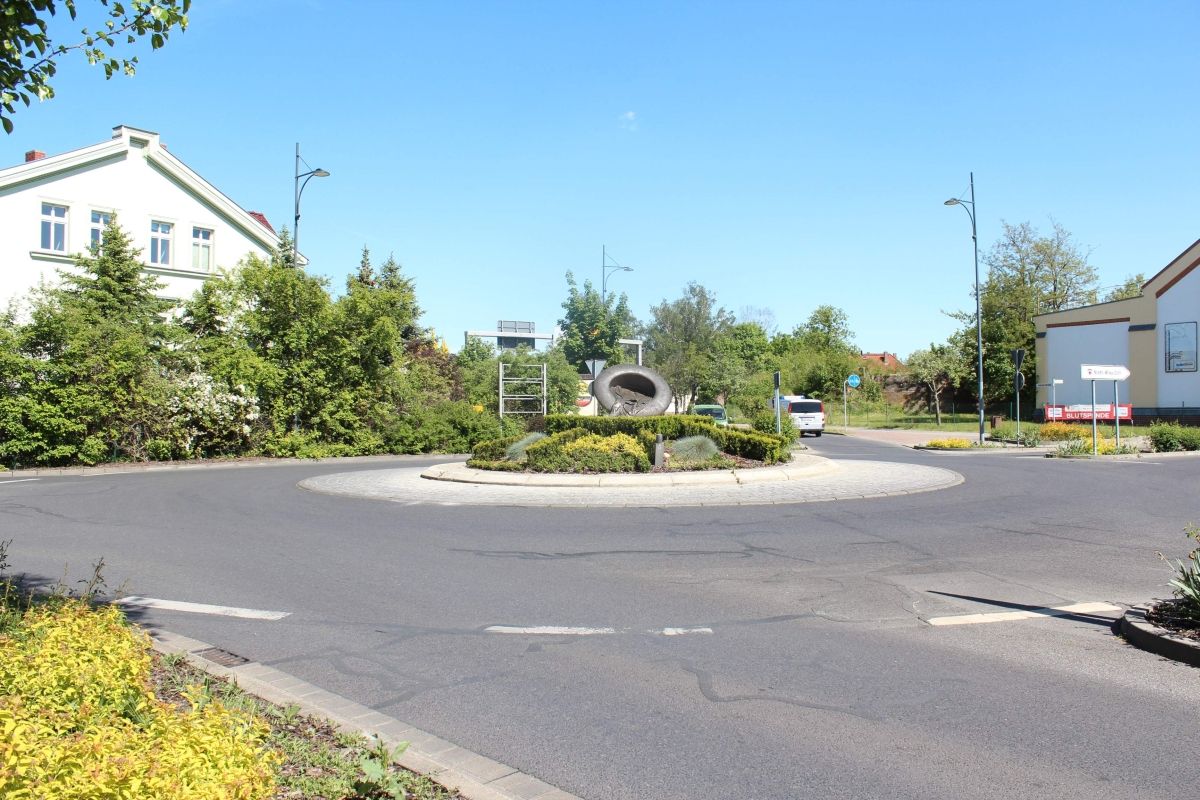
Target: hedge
[
  {"x": 764, "y": 447},
  {"x": 1167, "y": 437}
]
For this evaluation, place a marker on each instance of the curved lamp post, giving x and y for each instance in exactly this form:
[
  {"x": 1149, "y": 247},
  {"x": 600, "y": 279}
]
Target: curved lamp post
[
  {"x": 969, "y": 207},
  {"x": 607, "y": 269},
  {"x": 307, "y": 176}
]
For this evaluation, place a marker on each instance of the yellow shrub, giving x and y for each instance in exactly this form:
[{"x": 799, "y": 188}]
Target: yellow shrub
[
  {"x": 616, "y": 443},
  {"x": 1061, "y": 432},
  {"x": 949, "y": 444},
  {"x": 80, "y": 722}
]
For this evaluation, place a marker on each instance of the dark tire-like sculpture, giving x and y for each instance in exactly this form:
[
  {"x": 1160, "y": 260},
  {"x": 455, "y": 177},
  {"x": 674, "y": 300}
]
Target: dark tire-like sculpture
[{"x": 626, "y": 389}]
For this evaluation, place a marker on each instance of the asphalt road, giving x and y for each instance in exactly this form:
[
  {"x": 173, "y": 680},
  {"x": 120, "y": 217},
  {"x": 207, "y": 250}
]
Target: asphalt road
[{"x": 821, "y": 676}]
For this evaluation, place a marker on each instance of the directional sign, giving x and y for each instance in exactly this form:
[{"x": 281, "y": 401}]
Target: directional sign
[
  {"x": 1103, "y": 372},
  {"x": 853, "y": 381}
]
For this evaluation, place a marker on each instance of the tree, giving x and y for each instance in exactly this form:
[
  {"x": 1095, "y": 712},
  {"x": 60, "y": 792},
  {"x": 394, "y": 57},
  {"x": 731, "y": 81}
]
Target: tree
[
  {"x": 1029, "y": 274},
  {"x": 87, "y": 377},
  {"x": 940, "y": 367},
  {"x": 1132, "y": 287},
  {"x": 591, "y": 327},
  {"x": 740, "y": 351},
  {"x": 29, "y": 58},
  {"x": 681, "y": 341}
]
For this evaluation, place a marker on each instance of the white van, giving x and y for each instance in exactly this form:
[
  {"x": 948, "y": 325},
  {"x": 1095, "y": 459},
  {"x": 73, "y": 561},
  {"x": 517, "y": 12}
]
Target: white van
[{"x": 807, "y": 413}]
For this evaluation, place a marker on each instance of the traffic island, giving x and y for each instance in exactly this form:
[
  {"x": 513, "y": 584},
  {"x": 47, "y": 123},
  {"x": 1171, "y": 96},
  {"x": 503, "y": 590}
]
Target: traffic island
[{"x": 1141, "y": 632}]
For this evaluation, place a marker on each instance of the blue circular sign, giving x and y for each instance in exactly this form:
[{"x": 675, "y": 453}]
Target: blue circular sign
[{"x": 853, "y": 381}]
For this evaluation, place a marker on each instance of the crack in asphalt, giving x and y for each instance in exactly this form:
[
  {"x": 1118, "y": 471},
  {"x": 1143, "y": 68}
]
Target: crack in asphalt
[
  {"x": 747, "y": 551},
  {"x": 704, "y": 682}
]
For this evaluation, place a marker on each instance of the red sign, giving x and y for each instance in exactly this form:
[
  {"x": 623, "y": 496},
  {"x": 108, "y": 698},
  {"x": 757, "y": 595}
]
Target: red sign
[{"x": 1083, "y": 412}]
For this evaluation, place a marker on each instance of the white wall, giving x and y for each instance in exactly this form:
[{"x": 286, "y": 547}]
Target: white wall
[
  {"x": 1067, "y": 348},
  {"x": 1181, "y": 303},
  {"x": 137, "y": 192}
]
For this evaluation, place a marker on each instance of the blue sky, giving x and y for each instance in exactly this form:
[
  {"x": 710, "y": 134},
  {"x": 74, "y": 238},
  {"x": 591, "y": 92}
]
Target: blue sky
[{"x": 784, "y": 155}]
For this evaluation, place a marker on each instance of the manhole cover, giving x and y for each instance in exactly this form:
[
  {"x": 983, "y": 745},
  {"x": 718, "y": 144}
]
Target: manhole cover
[{"x": 222, "y": 657}]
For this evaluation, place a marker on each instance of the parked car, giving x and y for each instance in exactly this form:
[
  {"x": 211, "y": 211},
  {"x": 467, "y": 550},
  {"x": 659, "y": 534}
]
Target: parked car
[
  {"x": 807, "y": 413},
  {"x": 714, "y": 411}
]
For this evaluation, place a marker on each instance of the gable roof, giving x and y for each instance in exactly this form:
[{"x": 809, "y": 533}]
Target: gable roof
[{"x": 129, "y": 142}]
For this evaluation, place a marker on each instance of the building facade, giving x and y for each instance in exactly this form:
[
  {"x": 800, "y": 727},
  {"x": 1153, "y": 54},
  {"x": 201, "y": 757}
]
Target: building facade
[
  {"x": 53, "y": 208},
  {"x": 1154, "y": 335}
]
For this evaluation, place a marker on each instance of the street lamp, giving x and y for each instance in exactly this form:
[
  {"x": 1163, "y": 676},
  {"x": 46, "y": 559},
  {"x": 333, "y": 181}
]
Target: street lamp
[
  {"x": 307, "y": 176},
  {"x": 607, "y": 269},
  {"x": 969, "y": 207}
]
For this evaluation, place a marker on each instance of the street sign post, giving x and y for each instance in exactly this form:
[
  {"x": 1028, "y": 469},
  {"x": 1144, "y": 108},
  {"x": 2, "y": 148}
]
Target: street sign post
[
  {"x": 1018, "y": 358},
  {"x": 1104, "y": 372},
  {"x": 853, "y": 382}
]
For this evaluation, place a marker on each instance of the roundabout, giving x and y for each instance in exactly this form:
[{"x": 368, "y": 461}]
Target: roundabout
[{"x": 807, "y": 479}]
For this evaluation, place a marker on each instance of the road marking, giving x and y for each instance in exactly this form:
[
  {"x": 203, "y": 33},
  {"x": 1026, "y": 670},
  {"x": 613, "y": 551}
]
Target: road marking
[
  {"x": 549, "y": 630},
  {"x": 561, "y": 630},
  {"x": 18, "y": 480},
  {"x": 200, "y": 608},
  {"x": 1033, "y": 613}
]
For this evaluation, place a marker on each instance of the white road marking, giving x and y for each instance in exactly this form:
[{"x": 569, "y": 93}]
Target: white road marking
[
  {"x": 201, "y": 608},
  {"x": 18, "y": 480},
  {"x": 560, "y": 630},
  {"x": 549, "y": 630},
  {"x": 1035, "y": 613}
]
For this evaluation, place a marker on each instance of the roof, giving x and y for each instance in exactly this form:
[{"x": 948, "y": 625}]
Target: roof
[
  {"x": 128, "y": 142},
  {"x": 262, "y": 220}
]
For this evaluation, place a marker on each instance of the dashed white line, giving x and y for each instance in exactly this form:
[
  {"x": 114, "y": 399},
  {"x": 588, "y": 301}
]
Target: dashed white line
[
  {"x": 549, "y": 630},
  {"x": 18, "y": 480},
  {"x": 200, "y": 608},
  {"x": 1033, "y": 613},
  {"x": 561, "y": 630}
]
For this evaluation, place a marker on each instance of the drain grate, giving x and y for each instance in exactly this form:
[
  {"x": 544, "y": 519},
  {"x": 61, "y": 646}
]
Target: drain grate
[{"x": 222, "y": 657}]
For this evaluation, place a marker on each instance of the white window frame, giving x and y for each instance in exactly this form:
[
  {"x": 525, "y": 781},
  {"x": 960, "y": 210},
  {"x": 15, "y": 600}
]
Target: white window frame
[
  {"x": 96, "y": 229},
  {"x": 161, "y": 242},
  {"x": 50, "y": 221},
  {"x": 201, "y": 244}
]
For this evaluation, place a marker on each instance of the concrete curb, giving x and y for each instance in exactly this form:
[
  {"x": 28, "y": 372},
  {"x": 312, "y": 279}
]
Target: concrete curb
[
  {"x": 142, "y": 467},
  {"x": 803, "y": 466},
  {"x": 474, "y": 776},
  {"x": 1148, "y": 636}
]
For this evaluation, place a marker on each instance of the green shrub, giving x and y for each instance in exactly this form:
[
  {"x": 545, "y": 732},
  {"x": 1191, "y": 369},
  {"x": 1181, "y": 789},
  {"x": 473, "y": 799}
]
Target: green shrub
[
  {"x": 159, "y": 450},
  {"x": 671, "y": 426},
  {"x": 496, "y": 466},
  {"x": 764, "y": 422},
  {"x": 494, "y": 449},
  {"x": 1169, "y": 437},
  {"x": 694, "y": 448},
  {"x": 765, "y": 447},
  {"x": 1186, "y": 583},
  {"x": 580, "y": 451},
  {"x": 1030, "y": 435}
]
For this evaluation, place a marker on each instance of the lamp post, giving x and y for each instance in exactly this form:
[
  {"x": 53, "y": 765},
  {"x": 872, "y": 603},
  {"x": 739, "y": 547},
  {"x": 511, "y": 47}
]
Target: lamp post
[
  {"x": 606, "y": 269},
  {"x": 307, "y": 176},
  {"x": 969, "y": 207}
]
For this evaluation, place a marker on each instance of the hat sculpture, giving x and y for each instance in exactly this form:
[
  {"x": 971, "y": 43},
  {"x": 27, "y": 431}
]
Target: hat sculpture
[{"x": 630, "y": 390}]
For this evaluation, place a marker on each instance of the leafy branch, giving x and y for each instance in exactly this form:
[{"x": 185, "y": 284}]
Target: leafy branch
[{"x": 29, "y": 58}]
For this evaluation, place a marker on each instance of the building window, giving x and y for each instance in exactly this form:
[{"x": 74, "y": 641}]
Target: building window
[
  {"x": 202, "y": 243},
  {"x": 1181, "y": 346},
  {"x": 160, "y": 243},
  {"x": 54, "y": 227},
  {"x": 100, "y": 221}
]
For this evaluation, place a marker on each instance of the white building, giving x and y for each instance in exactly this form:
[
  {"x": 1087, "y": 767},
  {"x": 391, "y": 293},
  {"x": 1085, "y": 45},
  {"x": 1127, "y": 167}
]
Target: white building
[
  {"x": 54, "y": 207},
  {"x": 1153, "y": 334}
]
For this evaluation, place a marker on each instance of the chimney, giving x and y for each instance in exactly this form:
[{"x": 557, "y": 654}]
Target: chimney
[{"x": 34, "y": 155}]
